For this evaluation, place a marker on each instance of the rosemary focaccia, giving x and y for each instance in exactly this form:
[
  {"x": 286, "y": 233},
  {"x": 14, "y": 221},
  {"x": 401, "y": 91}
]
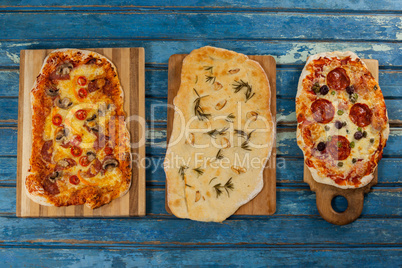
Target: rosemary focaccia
[
  {"x": 222, "y": 135},
  {"x": 342, "y": 119}
]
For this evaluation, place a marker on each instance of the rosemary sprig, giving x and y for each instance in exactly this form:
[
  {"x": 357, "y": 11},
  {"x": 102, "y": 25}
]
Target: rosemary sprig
[
  {"x": 213, "y": 133},
  {"x": 209, "y": 68},
  {"x": 245, "y": 146},
  {"x": 214, "y": 178},
  {"x": 219, "y": 155},
  {"x": 182, "y": 170},
  {"x": 228, "y": 186},
  {"x": 241, "y": 133},
  {"x": 189, "y": 186},
  {"x": 239, "y": 85},
  {"x": 210, "y": 78},
  {"x": 196, "y": 79},
  {"x": 230, "y": 118},
  {"x": 199, "y": 171},
  {"x": 198, "y": 111}
]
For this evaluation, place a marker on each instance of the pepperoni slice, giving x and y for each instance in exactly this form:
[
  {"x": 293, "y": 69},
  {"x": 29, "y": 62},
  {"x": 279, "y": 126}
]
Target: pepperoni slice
[
  {"x": 51, "y": 187},
  {"x": 323, "y": 111},
  {"x": 360, "y": 114},
  {"x": 47, "y": 150},
  {"x": 338, "y": 79},
  {"x": 93, "y": 170},
  {"x": 339, "y": 147}
]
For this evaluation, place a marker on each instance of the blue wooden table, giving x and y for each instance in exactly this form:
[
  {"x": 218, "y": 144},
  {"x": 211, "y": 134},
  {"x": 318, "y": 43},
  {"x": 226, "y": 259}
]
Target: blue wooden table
[{"x": 290, "y": 31}]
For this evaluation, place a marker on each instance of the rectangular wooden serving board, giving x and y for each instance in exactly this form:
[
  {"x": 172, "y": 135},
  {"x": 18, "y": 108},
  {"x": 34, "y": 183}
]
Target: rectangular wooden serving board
[
  {"x": 130, "y": 67},
  {"x": 265, "y": 202}
]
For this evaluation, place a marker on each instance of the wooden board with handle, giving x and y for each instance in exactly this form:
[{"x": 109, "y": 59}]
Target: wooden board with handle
[
  {"x": 130, "y": 66},
  {"x": 265, "y": 202},
  {"x": 355, "y": 197}
]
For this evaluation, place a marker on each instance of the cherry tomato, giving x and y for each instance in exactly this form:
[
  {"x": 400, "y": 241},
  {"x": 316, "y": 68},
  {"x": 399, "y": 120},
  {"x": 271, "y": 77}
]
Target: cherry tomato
[
  {"x": 84, "y": 161},
  {"x": 76, "y": 140},
  {"x": 82, "y": 93},
  {"x": 57, "y": 119},
  {"x": 82, "y": 81},
  {"x": 76, "y": 151},
  {"x": 74, "y": 180},
  {"x": 108, "y": 150},
  {"x": 81, "y": 114}
]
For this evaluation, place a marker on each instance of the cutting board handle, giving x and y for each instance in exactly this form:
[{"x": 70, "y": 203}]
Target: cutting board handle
[{"x": 355, "y": 200}]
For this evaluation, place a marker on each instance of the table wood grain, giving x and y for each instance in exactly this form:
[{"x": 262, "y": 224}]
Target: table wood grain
[{"x": 290, "y": 31}]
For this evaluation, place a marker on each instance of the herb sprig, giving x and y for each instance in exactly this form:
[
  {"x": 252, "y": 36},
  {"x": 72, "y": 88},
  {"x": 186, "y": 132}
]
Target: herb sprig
[
  {"x": 239, "y": 85},
  {"x": 199, "y": 170},
  {"x": 230, "y": 118},
  {"x": 228, "y": 186},
  {"x": 182, "y": 170},
  {"x": 213, "y": 133},
  {"x": 210, "y": 78},
  {"x": 209, "y": 68},
  {"x": 219, "y": 155},
  {"x": 198, "y": 111}
]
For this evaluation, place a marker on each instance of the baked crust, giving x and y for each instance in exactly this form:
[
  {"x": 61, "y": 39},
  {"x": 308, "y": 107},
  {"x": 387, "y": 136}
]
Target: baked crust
[
  {"x": 108, "y": 183},
  {"x": 211, "y": 75},
  {"x": 362, "y": 155}
]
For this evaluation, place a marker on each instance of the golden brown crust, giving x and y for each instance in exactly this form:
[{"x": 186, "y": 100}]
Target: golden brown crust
[
  {"x": 99, "y": 189},
  {"x": 343, "y": 165}
]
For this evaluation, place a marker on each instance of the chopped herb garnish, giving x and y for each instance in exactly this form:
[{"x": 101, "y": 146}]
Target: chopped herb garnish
[
  {"x": 333, "y": 92},
  {"x": 209, "y": 68},
  {"x": 352, "y": 144},
  {"x": 182, "y": 170},
  {"x": 228, "y": 186},
  {"x": 340, "y": 164},
  {"x": 199, "y": 171},
  {"x": 214, "y": 178},
  {"x": 213, "y": 133},
  {"x": 354, "y": 97},
  {"x": 189, "y": 186},
  {"x": 372, "y": 140},
  {"x": 364, "y": 134},
  {"x": 354, "y": 160},
  {"x": 199, "y": 112},
  {"x": 316, "y": 87},
  {"x": 239, "y": 85},
  {"x": 230, "y": 118},
  {"x": 245, "y": 146},
  {"x": 375, "y": 87},
  {"x": 219, "y": 155},
  {"x": 359, "y": 129},
  {"x": 339, "y": 144},
  {"x": 340, "y": 112},
  {"x": 240, "y": 133},
  {"x": 210, "y": 78}
]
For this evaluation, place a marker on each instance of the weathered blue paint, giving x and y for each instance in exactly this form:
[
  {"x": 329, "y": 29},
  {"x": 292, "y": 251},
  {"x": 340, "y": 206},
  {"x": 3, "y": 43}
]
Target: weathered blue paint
[{"x": 290, "y": 31}]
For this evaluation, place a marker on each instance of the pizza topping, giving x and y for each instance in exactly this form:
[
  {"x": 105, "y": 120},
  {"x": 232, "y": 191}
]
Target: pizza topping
[
  {"x": 91, "y": 156},
  {"x": 65, "y": 163},
  {"x": 316, "y": 87},
  {"x": 324, "y": 90},
  {"x": 76, "y": 140},
  {"x": 338, "y": 124},
  {"x": 338, "y": 79},
  {"x": 360, "y": 114},
  {"x": 108, "y": 150},
  {"x": 84, "y": 161},
  {"x": 372, "y": 140},
  {"x": 65, "y": 103},
  {"x": 47, "y": 150},
  {"x": 109, "y": 163},
  {"x": 93, "y": 170},
  {"x": 327, "y": 128},
  {"x": 339, "y": 147},
  {"x": 352, "y": 144},
  {"x": 358, "y": 135},
  {"x": 74, "y": 180},
  {"x": 96, "y": 84},
  {"x": 340, "y": 112},
  {"x": 340, "y": 164},
  {"x": 57, "y": 119},
  {"x": 353, "y": 98},
  {"x": 217, "y": 86},
  {"x": 91, "y": 118},
  {"x": 62, "y": 71},
  {"x": 234, "y": 71},
  {"x": 321, "y": 146},
  {"x": 220, "y": 105},
  {"x": 76, "y": 151},
  {"x": 350, "y": 90},
  {"x": 50, "y": 185},
  {"x": 61, "y": 134},
  {"x": 81, "y": 114},
  {"x": 323, "y": 111},
  {"x": 103, "y": 109},
  {"x": 52, "y": 91},
  {"x": 82, "y": 93},
  {"x": 82, "y": 81}
]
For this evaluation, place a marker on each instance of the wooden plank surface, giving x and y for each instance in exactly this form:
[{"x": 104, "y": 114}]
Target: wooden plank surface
[
  {"x": 265, "y": 202},
  {"x": 295, "y": 234},
  {"x": 130, "y": 67}
]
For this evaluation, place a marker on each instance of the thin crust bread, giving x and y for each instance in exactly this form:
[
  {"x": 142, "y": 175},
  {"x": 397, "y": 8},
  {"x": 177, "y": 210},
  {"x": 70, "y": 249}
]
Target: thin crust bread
[
  {"x": 192, "y": 195},
  {"x": 37, "y": 193},
  {"x": 321, "y": 176}
]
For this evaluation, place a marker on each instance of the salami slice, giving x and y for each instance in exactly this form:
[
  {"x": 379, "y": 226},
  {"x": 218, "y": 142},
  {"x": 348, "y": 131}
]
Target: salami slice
[
  {"x": 338, "y": 79},
  {"x": 47, "y": 150},
  {"x": 323, "y": 111},
  {"x": 339, "y": 147},
  {"x": 360, "y": 114}
]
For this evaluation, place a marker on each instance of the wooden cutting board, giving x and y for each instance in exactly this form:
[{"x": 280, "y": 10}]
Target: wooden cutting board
[
  {"x": 130, "y": 67},
  {"x": 265, "y": 202},
  {"x": 355, "y": 197}
]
